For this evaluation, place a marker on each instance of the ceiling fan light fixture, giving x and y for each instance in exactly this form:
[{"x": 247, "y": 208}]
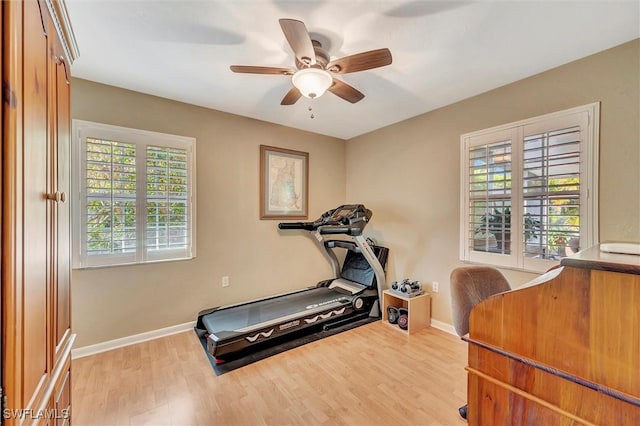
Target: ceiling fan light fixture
[{"x": 312, "y": 82}]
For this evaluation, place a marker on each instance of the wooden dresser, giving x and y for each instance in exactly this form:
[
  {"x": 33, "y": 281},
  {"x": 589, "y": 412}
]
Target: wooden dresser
[
  {"x": 564, "y": 349},
  {"x": 37, "y": 49}
]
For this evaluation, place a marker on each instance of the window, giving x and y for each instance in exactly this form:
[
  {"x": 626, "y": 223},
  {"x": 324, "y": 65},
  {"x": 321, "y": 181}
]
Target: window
[
  {"x": 135, "y": 201},
  {"x": 528, "y": 190}
]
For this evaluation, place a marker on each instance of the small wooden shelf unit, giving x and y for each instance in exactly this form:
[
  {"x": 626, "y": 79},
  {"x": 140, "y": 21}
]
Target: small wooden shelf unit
[{"x": 419, "y": 308}]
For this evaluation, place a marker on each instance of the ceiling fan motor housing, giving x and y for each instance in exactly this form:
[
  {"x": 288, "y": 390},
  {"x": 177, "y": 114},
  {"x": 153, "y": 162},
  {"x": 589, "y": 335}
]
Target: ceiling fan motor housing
[{"x": 322, "y": 57}]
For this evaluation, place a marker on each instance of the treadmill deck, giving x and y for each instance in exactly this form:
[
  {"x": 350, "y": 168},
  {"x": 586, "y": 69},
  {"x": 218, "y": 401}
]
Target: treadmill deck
[{"x": 243, "y": 318}]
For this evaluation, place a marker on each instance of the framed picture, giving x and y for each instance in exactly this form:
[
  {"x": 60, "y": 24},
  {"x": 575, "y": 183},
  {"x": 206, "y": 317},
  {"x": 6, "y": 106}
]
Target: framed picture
[{"x": 284, "y": 183}]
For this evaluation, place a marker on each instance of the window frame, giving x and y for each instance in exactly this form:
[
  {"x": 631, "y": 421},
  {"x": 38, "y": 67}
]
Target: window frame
[
  {"x": 81, "y": 130},
  {"x": 588, "y": 118}
]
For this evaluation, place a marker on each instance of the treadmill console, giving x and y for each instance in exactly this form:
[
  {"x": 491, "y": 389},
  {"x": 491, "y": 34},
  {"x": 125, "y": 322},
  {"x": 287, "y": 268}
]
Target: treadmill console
[
  {"x": 347, "y": 215},
  {"x": 347, "y": 219}
]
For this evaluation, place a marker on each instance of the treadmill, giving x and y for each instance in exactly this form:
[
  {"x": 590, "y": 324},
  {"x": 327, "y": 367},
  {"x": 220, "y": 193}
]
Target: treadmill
[{"x": 355, "y": 291}]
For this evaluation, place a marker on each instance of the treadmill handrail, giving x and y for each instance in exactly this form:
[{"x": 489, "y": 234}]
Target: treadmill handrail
[
  {"x": 347, "y": 219},
  {"x": 349, "y": 245},
  {"x": 307, "y": 226},
  {"x": 349, "y": 230}
]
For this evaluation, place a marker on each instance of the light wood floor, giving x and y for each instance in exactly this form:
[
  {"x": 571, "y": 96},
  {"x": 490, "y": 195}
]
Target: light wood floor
[{"x": 372, "y": 375}]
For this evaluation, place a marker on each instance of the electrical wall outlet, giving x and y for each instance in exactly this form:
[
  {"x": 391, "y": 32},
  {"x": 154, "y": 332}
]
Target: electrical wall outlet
[
  {"x": 434, "y": 286},
  {"x": 225, "y": 281}
]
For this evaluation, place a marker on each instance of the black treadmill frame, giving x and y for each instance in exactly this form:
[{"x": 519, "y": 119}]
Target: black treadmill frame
[{"x": 350, "y": 308}]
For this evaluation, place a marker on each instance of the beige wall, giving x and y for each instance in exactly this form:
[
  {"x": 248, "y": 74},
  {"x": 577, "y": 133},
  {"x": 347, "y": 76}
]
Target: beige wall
[
  {"x": 409, "y": 173},
  {"x": 110, "y": 303}
]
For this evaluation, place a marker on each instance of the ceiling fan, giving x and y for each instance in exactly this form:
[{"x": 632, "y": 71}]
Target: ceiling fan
[{"x": 314, "y": 73}]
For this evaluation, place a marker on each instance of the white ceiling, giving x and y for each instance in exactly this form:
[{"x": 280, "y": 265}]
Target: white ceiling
[{"x": 443, "y": 51}]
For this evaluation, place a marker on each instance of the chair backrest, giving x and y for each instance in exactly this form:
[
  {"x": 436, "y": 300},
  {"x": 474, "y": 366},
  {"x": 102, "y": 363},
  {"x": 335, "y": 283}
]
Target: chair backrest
[{"x": 470, "y": 285}]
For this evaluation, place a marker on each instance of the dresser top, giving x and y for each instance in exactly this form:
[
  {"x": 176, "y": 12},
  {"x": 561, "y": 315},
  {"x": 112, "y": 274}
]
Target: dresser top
[{"x": 594, "y": 258}]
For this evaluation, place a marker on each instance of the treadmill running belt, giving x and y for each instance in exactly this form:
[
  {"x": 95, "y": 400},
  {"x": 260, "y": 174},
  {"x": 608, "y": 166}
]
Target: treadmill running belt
[{"x": 243, "y": 316}]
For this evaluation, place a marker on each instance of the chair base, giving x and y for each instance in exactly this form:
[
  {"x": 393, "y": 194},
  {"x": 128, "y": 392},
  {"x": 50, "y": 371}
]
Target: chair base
[{"x": 463, "y": 411}]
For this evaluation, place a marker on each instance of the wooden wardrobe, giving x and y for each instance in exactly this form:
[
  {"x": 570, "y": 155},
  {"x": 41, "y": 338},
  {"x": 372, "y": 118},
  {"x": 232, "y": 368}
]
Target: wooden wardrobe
[{"x": 37, "y": 49}]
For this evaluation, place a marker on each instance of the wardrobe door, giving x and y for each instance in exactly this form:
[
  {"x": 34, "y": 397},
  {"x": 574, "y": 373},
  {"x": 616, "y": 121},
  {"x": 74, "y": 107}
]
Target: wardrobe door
[
  {"x": 36, "y": 208},
  {"x": 61, "y": 78},
  {"x": 61, "y": 324}
]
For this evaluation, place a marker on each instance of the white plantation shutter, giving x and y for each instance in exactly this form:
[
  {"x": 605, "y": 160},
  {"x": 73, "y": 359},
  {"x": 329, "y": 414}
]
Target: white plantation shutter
[
  {"x": 490, "y": 194},
  {"x": 489, "y": 172},
  {"x": 551, "y": 192},
  {"x": 529, "y": 190},
  {"x": 110, "y": 184},
  {"x": 167, "y": 224},
  {"x": 135, "y": 199}
]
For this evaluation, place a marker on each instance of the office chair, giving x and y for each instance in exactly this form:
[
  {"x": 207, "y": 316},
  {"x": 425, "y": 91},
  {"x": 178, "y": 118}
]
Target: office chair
[{"x": 470, "y": 285}]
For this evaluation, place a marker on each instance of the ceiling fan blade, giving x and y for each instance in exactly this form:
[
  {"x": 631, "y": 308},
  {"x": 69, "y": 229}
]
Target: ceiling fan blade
[
  {"x": 346, "y": 92},
  {"x": 298, "y": 37},
  {"x": 360, "y": 61},
  {"x": 261, "y": 70},
  {"x": 291, "y": 97}
]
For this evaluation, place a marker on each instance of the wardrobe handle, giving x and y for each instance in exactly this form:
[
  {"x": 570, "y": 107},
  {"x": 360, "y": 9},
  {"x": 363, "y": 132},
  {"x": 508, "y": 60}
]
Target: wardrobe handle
[{"x": 58, "y": 197}]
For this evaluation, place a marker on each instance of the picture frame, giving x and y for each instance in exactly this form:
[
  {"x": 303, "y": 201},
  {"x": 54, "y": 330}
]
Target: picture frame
[{"x": 284, "y": 183}]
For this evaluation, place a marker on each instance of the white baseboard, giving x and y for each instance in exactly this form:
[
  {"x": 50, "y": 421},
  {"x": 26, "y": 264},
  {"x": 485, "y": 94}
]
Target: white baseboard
[
  {"x": 130, "y": 340},
  {"x": 174, "y": 329},
  {"x": 443, "y": 326}
]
